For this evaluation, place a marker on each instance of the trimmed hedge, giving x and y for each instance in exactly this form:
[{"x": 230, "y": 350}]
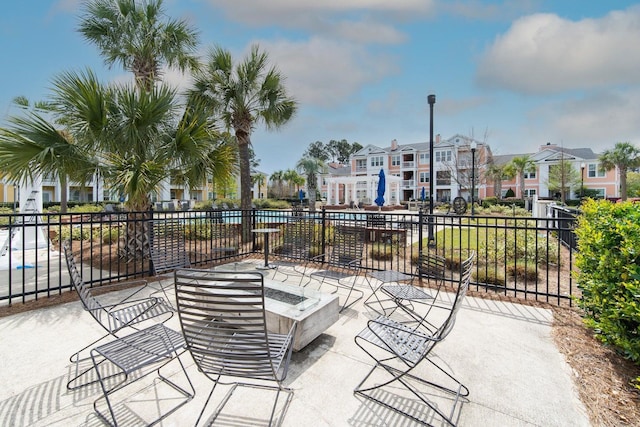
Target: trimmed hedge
[{"x": 609, "y": 273}]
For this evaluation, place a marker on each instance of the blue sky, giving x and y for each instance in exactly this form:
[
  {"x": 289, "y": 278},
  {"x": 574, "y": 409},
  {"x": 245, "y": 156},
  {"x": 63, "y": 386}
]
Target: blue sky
[{"x": 516, "y": 74}]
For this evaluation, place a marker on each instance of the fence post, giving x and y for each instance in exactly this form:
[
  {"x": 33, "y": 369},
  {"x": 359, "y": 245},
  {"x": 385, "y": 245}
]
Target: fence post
[
  {"x": 323, "y": 239},
  {"x": 420, "y": 224}
]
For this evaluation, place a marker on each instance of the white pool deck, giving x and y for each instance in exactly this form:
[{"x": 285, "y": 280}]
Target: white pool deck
[{"x": 503, "y": 352}]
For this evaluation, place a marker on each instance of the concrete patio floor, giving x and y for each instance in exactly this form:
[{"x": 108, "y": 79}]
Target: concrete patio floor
[{"x": 502, "y": 352}]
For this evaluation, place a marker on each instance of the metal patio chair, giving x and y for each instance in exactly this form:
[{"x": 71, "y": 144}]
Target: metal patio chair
[
  {"x": 398, "y": 348},
  {"x": 344, "y": 262},
  {"x": 153, "y": 347},
  {"x": 223, "y": 320},
  {"x": 296, "y": 249},
  {"x": 168, "y": 247},
  {"x": 431, "y": 267},
  {"x": 128, "y": 312}
]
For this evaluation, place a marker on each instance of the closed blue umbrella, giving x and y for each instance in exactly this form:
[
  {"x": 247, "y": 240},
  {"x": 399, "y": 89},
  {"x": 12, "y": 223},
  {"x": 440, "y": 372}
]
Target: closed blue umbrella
[
  {"x": 423, "y": 194},
  {"x": 381, "y": 184},
  {"x": 301, "y": 195}
]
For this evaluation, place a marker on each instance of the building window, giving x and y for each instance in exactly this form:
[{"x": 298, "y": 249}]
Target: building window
[
  {"x": 530, "y": 175},
  {"x": 377, "y": 161},
  {"x": 443, "y": 178},
  {"x": 594, "y": 171},
  {"x": 424, "y": 158},
  {"x": 424, "y": 177},
  {"x": 530, "y": 192},
  {"x": 443, "y": 156},
  {"x": 361, "y": 164},
  {"x": 395, "y": 160}
]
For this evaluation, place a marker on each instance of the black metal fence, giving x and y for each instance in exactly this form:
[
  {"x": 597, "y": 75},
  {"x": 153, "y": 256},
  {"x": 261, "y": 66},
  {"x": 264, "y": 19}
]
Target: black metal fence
[{"x": 517, "y": 256}]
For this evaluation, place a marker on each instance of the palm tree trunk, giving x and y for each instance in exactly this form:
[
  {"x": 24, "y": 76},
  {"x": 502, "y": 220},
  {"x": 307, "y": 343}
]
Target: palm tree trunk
[
  {"x": 623, "y": 183},
  {"x": 312, "y": 199},
  {"x": 64, "y": 193},
  {"x": 245, "y": 183}
]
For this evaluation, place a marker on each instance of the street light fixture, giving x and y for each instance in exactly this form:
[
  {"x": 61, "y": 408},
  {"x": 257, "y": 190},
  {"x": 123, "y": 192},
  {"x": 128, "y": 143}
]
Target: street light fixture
[
  {"x": 473, "y": 145},
  {"x": 582, "y": 166},
  {"x": 431, "y": 99}
]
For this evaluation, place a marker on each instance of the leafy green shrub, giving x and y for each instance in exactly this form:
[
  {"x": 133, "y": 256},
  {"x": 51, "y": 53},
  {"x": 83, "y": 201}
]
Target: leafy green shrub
[
  {"x": 521, "y": 245},
  {"x": 522, "y": 270},
  {"x": 510, "y": 193},
  {"x": 75, "y": 233},
  {"x": 381, "y": 252},
  {"x": 110, "y": 235},
  {"x": 489, "y": 201},
  {"x": 609, "y": 273},
  {"x": 490, "y": 276}
]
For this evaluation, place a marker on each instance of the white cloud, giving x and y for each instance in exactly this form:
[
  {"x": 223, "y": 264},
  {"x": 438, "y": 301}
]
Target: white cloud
[
  {"x": 598, "y": 120},
  {"x": 364, "y": 21},
  {"x": 544, "y": 53},
  {"x": 326, "y": 73}
]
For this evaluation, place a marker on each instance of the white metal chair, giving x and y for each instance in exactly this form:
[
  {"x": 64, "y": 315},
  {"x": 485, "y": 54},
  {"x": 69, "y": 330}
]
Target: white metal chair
[
  {"x": 399, "y": 347},
  {"x": 223, "y": 320}
]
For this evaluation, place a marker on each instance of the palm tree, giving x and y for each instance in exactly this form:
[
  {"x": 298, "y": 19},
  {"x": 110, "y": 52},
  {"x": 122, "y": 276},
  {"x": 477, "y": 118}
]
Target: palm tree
[
  {"x": 521, "y": 165},
  {"x": 244, "y": 95},
  {"x": 259, "y": 180},
  {"x": 624, "y": 156},
  {"x": 33, "y": 146},
  {"x": 292, "y": 178},
  {"x": 277, "y": 177},
  {"x": 135, "y": 34},
  {"x": 136, "y": 139},
  {"x": 311, "y": 168},
  {"x": 498, "y": 173}
]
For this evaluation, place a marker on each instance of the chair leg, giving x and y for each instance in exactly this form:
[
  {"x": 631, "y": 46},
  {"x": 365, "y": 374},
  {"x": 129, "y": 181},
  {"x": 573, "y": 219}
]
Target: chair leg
[
  {"x": 211, "y": 420},
  {"x": 401, "y": 377},
  {"x": 122, "y": 384},
  {"x": 351, "y": 290}
]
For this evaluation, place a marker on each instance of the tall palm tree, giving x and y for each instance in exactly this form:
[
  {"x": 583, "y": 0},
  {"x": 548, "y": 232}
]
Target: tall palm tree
[
  {"x": 244, "y": 96},
  {"x": 624, "y": 156},
  {"x": 277, "y": 178},
  {"x": 497, "y": 173},
  {"x": 259, "y": 180},
  {"x": 32, "y": 146},
  {"x": 521, "y": 165},
  {"x": 311, "y": 168},
  {"x": 291, "y": 177},
  {"x": 135, "y": 138},
  {"x": 137, "y": 35}
]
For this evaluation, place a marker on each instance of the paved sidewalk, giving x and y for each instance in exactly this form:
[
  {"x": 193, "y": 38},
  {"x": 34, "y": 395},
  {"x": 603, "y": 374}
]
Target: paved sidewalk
[{"x": 502, "y": 352}]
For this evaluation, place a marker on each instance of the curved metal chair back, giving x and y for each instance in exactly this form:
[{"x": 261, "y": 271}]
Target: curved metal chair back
[
  {"x": 223, "y": 320},
  {"x": 224, "y": 323}
]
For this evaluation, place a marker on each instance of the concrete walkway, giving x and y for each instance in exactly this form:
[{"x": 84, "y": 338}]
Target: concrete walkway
[{"x": 502, "y": 352}]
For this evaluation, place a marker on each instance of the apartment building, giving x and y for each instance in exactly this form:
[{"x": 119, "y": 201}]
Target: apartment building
[
  {"x": 584, "y": 161},
  {"x": 407, "y": 171},
  {"x": 459, "y": 162}
]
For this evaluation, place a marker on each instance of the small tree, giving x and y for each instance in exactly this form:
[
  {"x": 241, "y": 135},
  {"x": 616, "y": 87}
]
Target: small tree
[
  {"x": 522, "y": 165},
  {"x": 311, "y": 167},
  {"x": 624, "y": 156},
  {"x": 562, "y": 177}
]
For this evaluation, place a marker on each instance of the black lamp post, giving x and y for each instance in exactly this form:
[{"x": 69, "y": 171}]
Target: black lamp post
[
  {"x": 431, "y": 99},
  {"x": 473, "y": 175},
  {"x": 582, "y": 165}
]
